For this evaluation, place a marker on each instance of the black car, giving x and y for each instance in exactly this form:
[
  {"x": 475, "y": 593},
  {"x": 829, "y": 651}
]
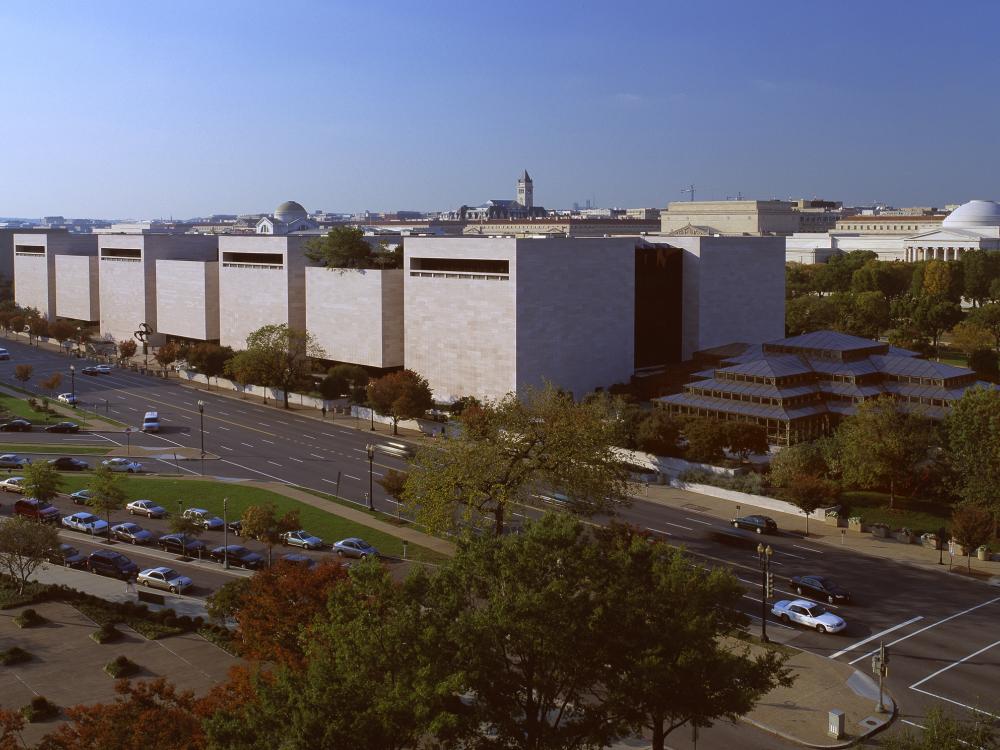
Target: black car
[
  {"x": 238, "y": 556},
  {"x": 63, "y": 427},
  {"x": 68, "y": 555},
  {"x": 819, "y": 587},
  {"x": 760, "y": 524},
  {"x": 66, "y": 463},
  {"x": 16, "y": 425},
  {"x": 107, "y": 562},
  {"x": 180, "y": 544},
  {"x": 235, "y": 527},
  {"x": 296, "y": 559}
]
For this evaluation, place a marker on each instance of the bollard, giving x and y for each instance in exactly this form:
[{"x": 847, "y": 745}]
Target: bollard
[{"x": 404, "y": 549}]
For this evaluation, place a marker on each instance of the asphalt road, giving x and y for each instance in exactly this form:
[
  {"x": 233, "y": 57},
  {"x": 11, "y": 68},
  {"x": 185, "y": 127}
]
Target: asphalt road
[{"x": 941, "y": 631}]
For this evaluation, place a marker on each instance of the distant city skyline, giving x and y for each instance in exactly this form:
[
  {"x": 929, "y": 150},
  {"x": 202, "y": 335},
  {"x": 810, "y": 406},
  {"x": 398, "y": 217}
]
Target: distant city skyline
[{"x": 125, "y": 111}]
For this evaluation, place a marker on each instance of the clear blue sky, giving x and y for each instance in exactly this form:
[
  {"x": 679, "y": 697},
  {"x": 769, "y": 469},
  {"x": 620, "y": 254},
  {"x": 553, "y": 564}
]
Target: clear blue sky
[{"x": 141, "y": 109}]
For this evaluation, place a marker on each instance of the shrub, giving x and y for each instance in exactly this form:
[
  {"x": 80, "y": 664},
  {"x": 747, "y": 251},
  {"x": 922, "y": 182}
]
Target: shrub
[
  {"x": 752, "y": 484},
  {"x": 107, "y": 633},
  {"x": 120, "y": 667},
  {"x": 29, "y": 618},
  {"x": 40, "y": 709},
  {"x": 14, "y": 655},
  {"x": 172, "y": 621}
]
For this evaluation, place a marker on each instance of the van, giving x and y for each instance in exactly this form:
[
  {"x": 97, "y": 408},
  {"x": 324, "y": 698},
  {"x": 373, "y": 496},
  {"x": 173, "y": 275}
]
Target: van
[
  {"x": 39, "y": 510},
  {"x": 107, "y": 562},
  {"x": 399, "y": 450},
  {"x": 151, "y": 422}
]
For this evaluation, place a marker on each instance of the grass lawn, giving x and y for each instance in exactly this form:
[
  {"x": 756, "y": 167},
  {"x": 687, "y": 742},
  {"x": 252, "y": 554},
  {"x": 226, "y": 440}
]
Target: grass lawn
[
  {"x": 13, "y": 406},
  {"x": 209, "y": 495},
  {"x": 55, "y": 449},
  {"x": 917, "y": 515}
]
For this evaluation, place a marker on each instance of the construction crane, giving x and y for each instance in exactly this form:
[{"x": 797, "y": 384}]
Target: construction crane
[{"x": 689, "y": 189}]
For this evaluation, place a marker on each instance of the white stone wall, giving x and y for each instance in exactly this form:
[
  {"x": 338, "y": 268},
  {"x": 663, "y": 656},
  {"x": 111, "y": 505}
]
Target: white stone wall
[
  {"x": 575, "y": 312},
  {"x": 187, "y": 298},
  {"x": 734, "y": 290},
  {"x": 122, "y": 290},
  {"x": 356, "y": 316},
  {"x": 77, "y": 287},
  {"x": 460, "y": 332},
  {"x": 31, "y": 285}
]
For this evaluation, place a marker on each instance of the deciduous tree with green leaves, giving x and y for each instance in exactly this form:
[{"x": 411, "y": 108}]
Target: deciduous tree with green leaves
[
  {"x": 262, "y": 522},
  {"x": 41, "y": 481},
  {"x": 279, "y": 355},
  {"x": 401, "y": 395},
  {"x": 658, "y": 433},
  {"x": 972, "y": 527},
  {"x": 809, "y": 493},
  {"x": 744, "y": 439},
  {"x": 23, "y": 547},
  {"x": 973, "y": 432},
  {"x": 166, "y": 355},
  {"x": 106, "y": 493},
  {"x": 507, "y": 450}
]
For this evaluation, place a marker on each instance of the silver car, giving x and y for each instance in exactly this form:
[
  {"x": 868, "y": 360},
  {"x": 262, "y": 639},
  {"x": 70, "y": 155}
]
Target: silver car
[
  {"x": 164, "y": 578},
  {"x": 301, "y": 538},
  {"x": 13, "y": 484},
  {"x": 13, "y": 461},
  {"x": 146, "y": 508},
  {"x": 132, "y": 533},
  {"x": 354, "y": 547}
]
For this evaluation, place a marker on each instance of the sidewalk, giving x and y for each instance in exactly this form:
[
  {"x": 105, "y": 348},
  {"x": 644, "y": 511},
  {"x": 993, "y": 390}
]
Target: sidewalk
[{"x": 819, "y": 532}]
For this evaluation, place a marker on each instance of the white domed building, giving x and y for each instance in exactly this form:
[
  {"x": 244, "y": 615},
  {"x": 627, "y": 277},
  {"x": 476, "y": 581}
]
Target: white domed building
[
  {"x": 972, "y": 226},
  {"x": 288, "y": 217}
]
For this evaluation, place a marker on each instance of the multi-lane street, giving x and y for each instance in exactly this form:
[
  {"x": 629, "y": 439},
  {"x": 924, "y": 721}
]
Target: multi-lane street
[{"x": 940, "y": 630}]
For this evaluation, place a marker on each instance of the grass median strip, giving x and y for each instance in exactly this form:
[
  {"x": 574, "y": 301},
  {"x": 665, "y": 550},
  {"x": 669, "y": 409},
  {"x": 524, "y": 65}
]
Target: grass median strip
[
  {"x": 54, "y": 449},
  {"x": 209, "y": 495}
]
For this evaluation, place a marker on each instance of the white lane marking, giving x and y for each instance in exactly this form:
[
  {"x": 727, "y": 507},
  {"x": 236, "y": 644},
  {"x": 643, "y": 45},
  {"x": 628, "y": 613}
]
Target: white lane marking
[
  {"x": 877, "y": 635},
  {"x": 697, "y": 520},
  {"x": 658, "y": 531},
  {"x": 963, "y": 705},
  {"x": 263, "y": 424},
  {"x": 315, "y": 455},
  {"x": 274, "y": 463},
  {"x": 810, "y": 549},
  {"x": 359, "y": 450},
  {"x": 677, "y": 525},
  {"x": 913, "y": 724},
  {"x": 790, "y": 593},
  {"x": 953, "y": 664},
  {"x": 789, "y": 554},
  {"x": 932, "y": 625},
  {"x": 297, "y": 460},
  {"x": 132, "y": 408},
  {"x": 267, "y": 441},
  {"x": 255, "y": 471},
  {"x": 247, "y": 445},
  {"x": 225, "y": 413},
  {"x": 226, "y": 447},
  {"x": 222, "y": 428},
  {"x": 329, "y": 481},
  {"x": 351, "y": 476},
  {"x": 329, "y": 434}
]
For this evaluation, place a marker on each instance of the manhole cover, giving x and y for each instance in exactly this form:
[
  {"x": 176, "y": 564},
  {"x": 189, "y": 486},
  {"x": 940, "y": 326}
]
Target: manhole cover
[{"x": 871, "y": 722}]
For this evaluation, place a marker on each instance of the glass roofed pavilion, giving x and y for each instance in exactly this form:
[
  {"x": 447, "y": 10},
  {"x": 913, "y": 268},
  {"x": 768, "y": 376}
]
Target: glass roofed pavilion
[{"x": 799, "y": 387}]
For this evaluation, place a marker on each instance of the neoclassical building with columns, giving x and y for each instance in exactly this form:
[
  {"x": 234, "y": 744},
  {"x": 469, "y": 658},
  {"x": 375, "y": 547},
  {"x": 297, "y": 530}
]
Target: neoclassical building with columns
[{"x": 972, "y": 226}]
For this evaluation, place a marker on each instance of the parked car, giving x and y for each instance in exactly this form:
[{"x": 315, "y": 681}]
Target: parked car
[
  {"x": 293, "y": 558},
  {"x": 123, "y": 464},
  {"x": 13, "y": 461},
  {"x": 354, "y": 547},
  {"x": 108, "y": 562},
  {"x": 235, "y": 527},
  {"x": 89, "y": 371},
  {"x": 13, "y": 484},
  {"x": 180, "y": 544},
  {"x": 146, "y": 508},
  {"x": 63, "y": 427},
  {"x": 68, "y": 555},
  {"x": 132, "y": 533},
  {"x": 759, "y": 524},
  {"x": 204, "y": 519},
  {"x": 164, "y": 578},
  {"x": 4, "y": 354},
  {"x": 88, "y": 523},
  {"x": 68, "y": 463},
  {"x": 820, "y": 587},
  {"x": 16, "y": 425},
  {"x": 80, "y": 497},
  {"x": 67, "y": 398},
  {"x": 40, "y": 510},
  {"x": 301, "y": 538},
  {"x": 808, "y": 613},
  {"x": 237, "y": 555}
]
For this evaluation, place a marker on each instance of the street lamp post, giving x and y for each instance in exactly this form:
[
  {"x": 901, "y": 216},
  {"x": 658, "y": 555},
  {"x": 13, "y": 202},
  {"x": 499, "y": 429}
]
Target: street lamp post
[
  {"x": 201, "y": 416},
  {"x": 371, "y": 410},
  {"x": 371, "y": 458},
  {"x": 764, "y": 554},
  {"x": 225, "y": 533},
  {"x": 72, "y": 380}
]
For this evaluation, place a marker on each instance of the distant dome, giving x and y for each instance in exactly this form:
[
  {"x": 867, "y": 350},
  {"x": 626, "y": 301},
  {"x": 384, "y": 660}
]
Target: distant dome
[
  {"x": 289, "y": 211},
  {"x": 974, "y": 214}
]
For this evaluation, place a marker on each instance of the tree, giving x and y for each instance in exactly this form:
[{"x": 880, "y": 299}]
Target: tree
[
  {"x": 706, "y": 439},
  {"x": 23, "y": 546},
  {"x": 354, "y": 381},
  {"x": 672, "y": 630},
  {"x": 61, "y": 330},
  {"x": 346, "y": 247},
  {"x": 38, "y": 326},
  {"x": 187, "y": 527},
  {"x": 280, "y": 355},
  {"x": 809, "y": 493},
  {"x": 744, "y": 439},
  {"x": 507, "y": 449},
  {"x": 52, "y": 383},
  {"x": 243, "y": 368},
  {"x": 11, "y": 726},
  {"x": 278, "y": 603},
  {"x": 798, "y": 460},
  {"x": 166, "y": 355},
  {"x": 933, "y": 315},
  {"x": 988, "y": 317},
  {"x": 881, "y": 445},
  {"x": 225, "y": 602},
  {"x": 393, "y": 482},
  {"x": 401, "y": 395},
  {"x": 972, "y": 527},
  {"x": 658, "y": 433},
  {"x": 332, "y": 387},
  {"x": 146, "y": 715},
  {"x": 973, "y": 443},
  {"x": 106, "y": 493},
  {"x": 978, "y": 269},
  {"x": 23, "y": 372},
  {"x": 939, "y": 730},
  {"x": 968, "y": 336},
  {"x": 940, "y": 281},
  {"x": 809, "y": 313},
  {"x": 126, "y": 350},
  {"x": 870, "y": 315},
  {"x": 209, "y": 359},
  {"x": 261, "y": 522},
  {"x": 41, "y": 481},
  {"x": 985, "y": 362}
]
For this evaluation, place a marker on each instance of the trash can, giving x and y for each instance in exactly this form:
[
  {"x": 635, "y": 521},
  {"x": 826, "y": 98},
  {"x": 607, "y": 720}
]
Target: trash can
[{"x": 983, "y": 553}]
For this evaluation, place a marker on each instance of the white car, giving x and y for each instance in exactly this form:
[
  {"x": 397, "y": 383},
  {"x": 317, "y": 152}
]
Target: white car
[
  {"x": 102, "y": 369},
  {"x": 301, "y": 538},
  {"x": 123, "y": 464},
  {"x": 808, "y": 613},
  {"x": 88, "y": 523},
  {"x": 146, "y": 508},
  {"x": 164, "y": 578},
  {"x": 13, "y": 461},
  {"x": 67, "y": 398},
  {"x": 13, "y": 484},
  {"x": 204, "y": 519}
]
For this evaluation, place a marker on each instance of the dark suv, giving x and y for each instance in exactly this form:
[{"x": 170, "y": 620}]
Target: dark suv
[
  {"x": 110, "y": 563},
  {"x": 39, "y": 510}
]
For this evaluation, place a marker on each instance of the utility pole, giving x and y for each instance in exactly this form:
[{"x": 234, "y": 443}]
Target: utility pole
[
  {"x": 690, "y": 190},
  {"x": 766, "y": 587},
  {"x": 880, "y": 668}
]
